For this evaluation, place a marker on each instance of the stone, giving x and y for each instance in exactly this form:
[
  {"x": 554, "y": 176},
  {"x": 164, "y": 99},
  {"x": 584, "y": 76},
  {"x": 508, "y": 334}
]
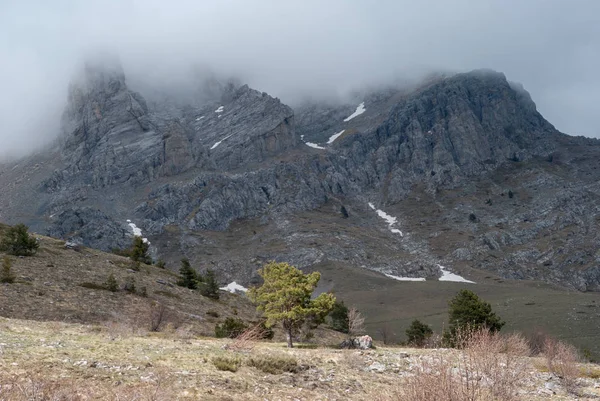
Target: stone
[
  {"x": 376, "y": 367},
  {"x": 362, "y": 342}
]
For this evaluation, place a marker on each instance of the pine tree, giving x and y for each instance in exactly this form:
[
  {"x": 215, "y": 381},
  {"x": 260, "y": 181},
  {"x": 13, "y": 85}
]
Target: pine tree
[
  {"x": 18, "y": 242},
  {"x": 209, "y": 287},
  {"x": 418, "y": 333},
  {"x": 468, "y": 312},
  {"x": 188, "y": 276},
  {"x": 139, "y": 251},
  {"x": 111, "y": 283},
  {"x": 285, "y": 297}
]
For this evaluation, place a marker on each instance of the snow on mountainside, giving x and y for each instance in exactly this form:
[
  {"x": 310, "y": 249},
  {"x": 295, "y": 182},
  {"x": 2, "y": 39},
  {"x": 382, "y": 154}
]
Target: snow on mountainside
[{"x": 359, "y": 110}]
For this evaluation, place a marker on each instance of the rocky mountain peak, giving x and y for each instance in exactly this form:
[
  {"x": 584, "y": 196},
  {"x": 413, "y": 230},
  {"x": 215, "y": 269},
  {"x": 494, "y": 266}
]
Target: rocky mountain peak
[{"x": 459, "y": 167}]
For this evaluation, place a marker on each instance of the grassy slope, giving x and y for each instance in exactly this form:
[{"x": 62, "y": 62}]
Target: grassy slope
[
  {"x": 525, "y": 306},
  {"x": 48, "y": 287}
]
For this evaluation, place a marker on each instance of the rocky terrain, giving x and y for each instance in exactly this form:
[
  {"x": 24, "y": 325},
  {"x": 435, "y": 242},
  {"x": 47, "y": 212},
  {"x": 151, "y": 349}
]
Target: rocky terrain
[
  {"x": 460, "y": 171},
  {"x": 83, "y": 362}
]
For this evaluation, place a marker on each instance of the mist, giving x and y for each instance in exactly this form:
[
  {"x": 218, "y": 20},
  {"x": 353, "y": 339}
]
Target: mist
[{"x": 295, "y": 50}]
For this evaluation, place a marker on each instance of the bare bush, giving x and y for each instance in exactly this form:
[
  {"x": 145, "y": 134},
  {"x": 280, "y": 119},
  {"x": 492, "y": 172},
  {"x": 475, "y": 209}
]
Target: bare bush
[
  {"x": 248, "y": 339},
  {"x": 158, "y": 316},
  {"x": 537, "y": 340},
  {"x": 356, "y": 323},
  {"x": 386, "y": 333},
  {"x": 490, "y": 366},
  {"x": 561, "y": 359}
]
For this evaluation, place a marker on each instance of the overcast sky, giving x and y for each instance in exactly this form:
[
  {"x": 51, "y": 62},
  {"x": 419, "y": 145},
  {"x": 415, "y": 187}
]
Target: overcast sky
[{"x": 295, "y": 48}]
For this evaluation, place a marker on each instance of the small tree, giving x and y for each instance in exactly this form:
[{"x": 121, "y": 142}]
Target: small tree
[
  {"x": 111, "y": 283},
  {"x": 6, "y": 275},
  {"x": 18, "y": 242},
  {"x": 339, "y": 317},
  {"x": 418, "y": 333},
  {"x": 188, "y": 276},
  {"x": 467, "y": 312},
  {"x": 285, "y": 297},
  {"x": 209, "y": 287},
  {"x": 356, "y": 323},
  {"x": 139, "y": 251}
]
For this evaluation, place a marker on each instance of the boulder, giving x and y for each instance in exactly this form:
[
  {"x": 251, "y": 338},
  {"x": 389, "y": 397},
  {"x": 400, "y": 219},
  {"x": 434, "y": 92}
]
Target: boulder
[{"x": 362, "y": 342}]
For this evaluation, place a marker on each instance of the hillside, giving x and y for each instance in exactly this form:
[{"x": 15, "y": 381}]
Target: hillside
[{"x": 65, "y": 285}]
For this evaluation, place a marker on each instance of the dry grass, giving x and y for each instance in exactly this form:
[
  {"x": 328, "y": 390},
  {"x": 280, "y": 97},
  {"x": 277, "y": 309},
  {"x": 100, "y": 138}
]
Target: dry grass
[
  {"x": 561, "y": 359},
  {"x": 490, "y": 366},
  {"x": 77, "y": 362},
  {"x": 59, "y": 284}
]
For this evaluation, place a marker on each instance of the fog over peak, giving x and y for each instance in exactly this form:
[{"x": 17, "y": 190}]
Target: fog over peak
[{"x": 294, "y": 50}]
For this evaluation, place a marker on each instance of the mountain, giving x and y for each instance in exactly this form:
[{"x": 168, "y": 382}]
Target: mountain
[{"x": 459, "y": 171}]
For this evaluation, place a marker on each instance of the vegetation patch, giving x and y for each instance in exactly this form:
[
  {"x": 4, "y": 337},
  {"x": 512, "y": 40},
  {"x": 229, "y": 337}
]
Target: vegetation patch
[
  {"x": 166, "y": 293},
  {"x": 93, "y": 286},
  {"x": 274, "y": 364},
  {"x": 226, "y": 363}
]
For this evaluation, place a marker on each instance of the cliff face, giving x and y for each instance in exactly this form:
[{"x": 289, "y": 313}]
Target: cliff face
[{"x": 243, "y": 179}]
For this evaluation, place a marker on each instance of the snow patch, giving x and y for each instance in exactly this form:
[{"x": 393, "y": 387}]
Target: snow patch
[
  {"x": 359, "y": 110},
  {"x": 199, "y": 118},
  {"x": 234, "y": 287},
  {"x": 219, "y": 142},
  {"x": 137, "y": 232},
  {"x": 219, "y": 110},
  {"x": 390, "y": 220},
  {"x": 447, "y": 276},
  {"x": 335, "y": 136},
  {"x": 405, "y": 278},
  {"x": 314, "y": 145}
]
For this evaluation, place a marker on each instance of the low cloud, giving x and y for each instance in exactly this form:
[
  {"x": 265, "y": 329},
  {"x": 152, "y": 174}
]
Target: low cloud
[{"x": 296, "y": 49}]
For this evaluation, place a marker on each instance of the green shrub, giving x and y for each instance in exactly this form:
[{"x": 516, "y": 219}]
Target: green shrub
[
  {"x": 129, "y": 285},
  {"x": 161, "y": 264},
  {"x": 18, "y": 242},
  {"x": 111, "y": 283},
  {"x": 209, "y": 287},
  {"x": 230, "y": 328},
  {"x": 226, "y": 363},
  {"x": 6, "y": 275},
  {"x": 274, "y": 364},
  {"x": 418, "y": 333}
]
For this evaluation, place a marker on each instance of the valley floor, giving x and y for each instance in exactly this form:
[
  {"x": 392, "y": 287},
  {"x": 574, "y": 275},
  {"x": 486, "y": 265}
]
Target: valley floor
[{"x": 115, "y": 362}]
